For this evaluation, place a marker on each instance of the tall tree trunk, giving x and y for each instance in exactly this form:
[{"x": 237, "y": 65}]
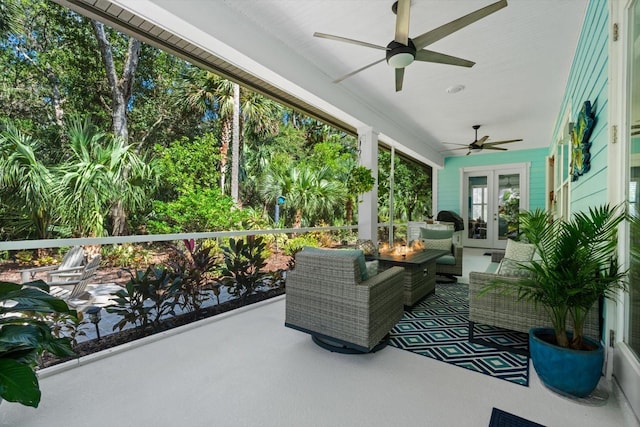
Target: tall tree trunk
[
  {"x": 297, "y": 220},
  {"x": 235, "y": 149},
  {"x": 225, "y": 138},
  {"x": 121, "y": 88},
  {"x": 349, "y": 209}
]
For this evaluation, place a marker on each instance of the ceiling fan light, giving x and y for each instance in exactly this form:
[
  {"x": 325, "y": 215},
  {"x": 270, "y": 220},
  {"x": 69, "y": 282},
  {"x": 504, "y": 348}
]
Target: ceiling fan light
[
  {"x": 399, "y": 55},
  {"x": 400, "y": 60}
]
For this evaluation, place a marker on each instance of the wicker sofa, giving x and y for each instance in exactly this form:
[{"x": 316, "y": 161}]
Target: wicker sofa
[
  {"x": 328, "y": 298},
  {"x": 448, "y": 265},
  {"x": 504, "y": 310}
]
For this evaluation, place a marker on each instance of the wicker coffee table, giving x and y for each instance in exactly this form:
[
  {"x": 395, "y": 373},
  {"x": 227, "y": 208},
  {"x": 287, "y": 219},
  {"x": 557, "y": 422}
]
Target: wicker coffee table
[{"x": 419, "y": 272}]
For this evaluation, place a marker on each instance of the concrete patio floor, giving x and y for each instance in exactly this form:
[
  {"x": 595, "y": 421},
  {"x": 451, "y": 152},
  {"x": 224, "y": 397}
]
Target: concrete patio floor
[{"x": 245, "y": 368}]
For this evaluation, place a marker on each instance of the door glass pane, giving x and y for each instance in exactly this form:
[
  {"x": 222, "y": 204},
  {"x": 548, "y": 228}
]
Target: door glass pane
[
  {"x": 478, "y": 207},
  {"x": 508, "y": 205},
  {"x": 633, "y": 330}
]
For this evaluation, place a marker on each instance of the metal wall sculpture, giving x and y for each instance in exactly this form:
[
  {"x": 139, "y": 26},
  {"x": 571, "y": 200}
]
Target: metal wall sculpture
[{"x": 580, "y": 144}]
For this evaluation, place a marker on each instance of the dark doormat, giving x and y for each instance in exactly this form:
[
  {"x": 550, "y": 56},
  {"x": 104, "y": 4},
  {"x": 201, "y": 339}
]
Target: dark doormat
[{"x": 500, "y": 418}]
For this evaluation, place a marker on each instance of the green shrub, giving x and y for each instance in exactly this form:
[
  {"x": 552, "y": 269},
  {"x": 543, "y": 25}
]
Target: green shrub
[
  {"x": 194, "y": 267},
  {"x": 66, "y": 325},
  {"x": 200, "y": 209},
  {"x": 157, "y": 285},
  {"x": 293, "y": 246},
  {"x": 126, "y": 255},
  {"x": 243, "y": 261},
  {"x": 24, "y": 257},
  {"x": 46, "y": 260}
]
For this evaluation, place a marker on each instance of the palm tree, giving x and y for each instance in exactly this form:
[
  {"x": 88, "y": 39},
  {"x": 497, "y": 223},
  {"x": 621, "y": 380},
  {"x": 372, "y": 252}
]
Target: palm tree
[
  {"x": 26, "y": 184},
  {"x": 211, "y": 95},
  {"x": 309, "y": 193},
  {"x": 101, "y": 172},
  {"x": 241, "y": 113},
  {"x": 260, "y": 119}
]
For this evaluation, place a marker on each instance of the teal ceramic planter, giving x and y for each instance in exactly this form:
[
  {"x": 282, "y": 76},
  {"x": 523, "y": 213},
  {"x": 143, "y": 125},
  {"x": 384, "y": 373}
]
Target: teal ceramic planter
[{"x": 571, "y": 372}]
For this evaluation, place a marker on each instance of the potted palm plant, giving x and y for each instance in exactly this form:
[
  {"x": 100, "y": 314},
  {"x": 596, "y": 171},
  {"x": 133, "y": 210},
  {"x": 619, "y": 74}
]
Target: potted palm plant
[
  {"x": 24, "y": 336},
  {"x": 575, "y": 267}
]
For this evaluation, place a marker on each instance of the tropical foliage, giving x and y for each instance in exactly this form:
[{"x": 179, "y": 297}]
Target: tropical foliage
[
  {"x": 575, "y": 267},
  {"x": 25, "y": 333},
  {"x": 105, "y": 135}
]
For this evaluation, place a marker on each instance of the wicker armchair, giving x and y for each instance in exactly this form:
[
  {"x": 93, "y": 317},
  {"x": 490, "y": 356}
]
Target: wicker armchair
[
  {"x": 499, "y": 308},
  {"x": 327, "y": 298}
]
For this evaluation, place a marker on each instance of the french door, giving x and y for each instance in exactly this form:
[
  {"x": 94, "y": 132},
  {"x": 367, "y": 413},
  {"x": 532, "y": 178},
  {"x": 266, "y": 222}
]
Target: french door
[{"x": 493, "y": 198}]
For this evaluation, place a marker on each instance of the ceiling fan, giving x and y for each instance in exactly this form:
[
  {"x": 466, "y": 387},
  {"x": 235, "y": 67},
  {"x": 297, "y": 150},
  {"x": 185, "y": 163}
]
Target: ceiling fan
[
  {"x": 481, "y": 144},
  {"x": 403, "y": 50},
  {"x": 635, "y": 129}
]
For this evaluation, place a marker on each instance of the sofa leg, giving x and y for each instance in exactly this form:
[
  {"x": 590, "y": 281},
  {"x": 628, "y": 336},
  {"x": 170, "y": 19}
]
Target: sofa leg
[{"x": 487, "y": 343}]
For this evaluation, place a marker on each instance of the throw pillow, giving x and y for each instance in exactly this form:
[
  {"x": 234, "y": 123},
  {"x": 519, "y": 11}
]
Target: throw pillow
[
  {"x": 347, "y": 253},
  {"x": 372, "y": 268},
  {"x": 441, "y": 244},
  {"x": 513, "y": 268},
  {"x": 519, "y": 251},
  {"x": 430, "y": 233}
]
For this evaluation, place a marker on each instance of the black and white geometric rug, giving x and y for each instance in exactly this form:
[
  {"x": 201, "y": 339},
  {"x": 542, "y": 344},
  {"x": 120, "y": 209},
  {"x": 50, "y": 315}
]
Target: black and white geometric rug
[{"x": 438, "y": 326}]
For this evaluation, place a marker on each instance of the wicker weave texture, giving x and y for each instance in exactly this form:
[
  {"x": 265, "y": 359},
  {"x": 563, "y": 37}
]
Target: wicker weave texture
[
  {"x": 419, "y": 281},
  {"x": 503, "y": 309},
  {"x": 455, "y": 269},
  {"x": 325, "y": 296}
]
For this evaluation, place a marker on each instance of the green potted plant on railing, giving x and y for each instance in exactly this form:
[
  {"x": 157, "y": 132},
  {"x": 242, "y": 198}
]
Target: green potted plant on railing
[
  {"x": 24, "y": 336},
  {"x": 575, "y": 267}
]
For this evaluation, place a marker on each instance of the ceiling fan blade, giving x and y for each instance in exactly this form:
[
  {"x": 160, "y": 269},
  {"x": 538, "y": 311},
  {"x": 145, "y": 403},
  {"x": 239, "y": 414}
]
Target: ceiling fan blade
[
  {"x": 402, "y": 22},
  {"x": 440, "y": 58},
  {"x": 635, "y": 126},
  {"x": 399, "y": 78},
  {"x": 481, "y": 141},
  {"x": 455, "y": 143},
  {"x": 358, "y": 70},
  {"x": 489, "y": 144},
  {"x": 436, "y": 34},
  {"x": 346, "y": 40},
  {"x": 494, "y": 148},
  {"x": 468, "y": 152},
  {"x": 466, "y": 147}
]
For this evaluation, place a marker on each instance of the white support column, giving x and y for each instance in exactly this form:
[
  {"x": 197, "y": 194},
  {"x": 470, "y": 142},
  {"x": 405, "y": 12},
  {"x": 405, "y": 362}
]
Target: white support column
[{"x": 368, "y": 205}]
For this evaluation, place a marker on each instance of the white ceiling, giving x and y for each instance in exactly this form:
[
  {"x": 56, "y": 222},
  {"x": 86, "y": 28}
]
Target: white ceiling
[{"x": 523, "y": 54}]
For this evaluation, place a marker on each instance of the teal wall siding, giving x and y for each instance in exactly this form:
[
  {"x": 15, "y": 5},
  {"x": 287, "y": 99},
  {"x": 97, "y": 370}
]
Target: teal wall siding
[
  {"x": 588, "y": 81},
  {"x": 449, "y": 177}
]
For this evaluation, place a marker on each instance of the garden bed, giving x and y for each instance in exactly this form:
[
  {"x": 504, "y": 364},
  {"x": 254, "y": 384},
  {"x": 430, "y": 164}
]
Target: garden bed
[
  {"x": 122, "y": 337},
  {"x": 10, "y": 272}
]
